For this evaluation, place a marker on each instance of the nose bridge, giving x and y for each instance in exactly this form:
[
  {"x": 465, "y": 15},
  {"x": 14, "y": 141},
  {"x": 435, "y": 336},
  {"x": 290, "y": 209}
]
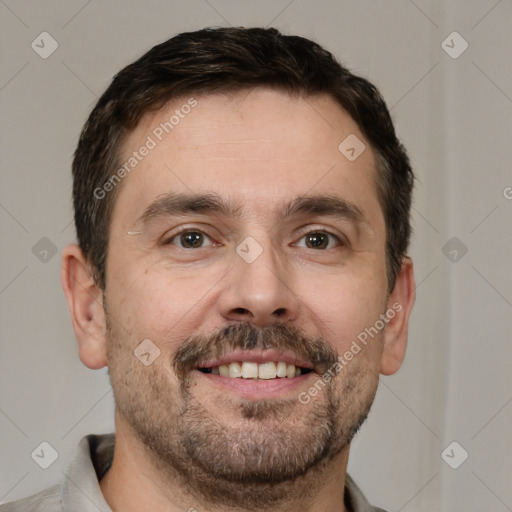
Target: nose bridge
[
  {"x": 259, "y": 288},
  {"x": 260, "y": 267}
]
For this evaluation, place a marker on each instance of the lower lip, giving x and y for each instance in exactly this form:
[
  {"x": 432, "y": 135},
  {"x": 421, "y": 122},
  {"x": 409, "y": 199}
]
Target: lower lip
[{"x": 259, "y": 389}]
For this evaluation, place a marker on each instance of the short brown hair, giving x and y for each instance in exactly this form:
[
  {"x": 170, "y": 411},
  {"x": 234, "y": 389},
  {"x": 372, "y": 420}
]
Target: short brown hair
[{"x": 231, "y": 59}]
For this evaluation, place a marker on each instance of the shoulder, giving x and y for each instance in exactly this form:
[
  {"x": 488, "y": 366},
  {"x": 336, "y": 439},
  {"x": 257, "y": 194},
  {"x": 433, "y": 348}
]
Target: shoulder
[
  {"x": 48, "y": 500},
  {"x": 355, "y": 499},
  {"x": 92, "y": 459}
]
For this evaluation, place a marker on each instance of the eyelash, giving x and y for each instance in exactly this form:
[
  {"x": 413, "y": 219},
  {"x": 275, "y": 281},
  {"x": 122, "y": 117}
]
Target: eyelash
[
  {"x": 337, "y": 239},
  {"x": 186, "y": 230},
  {"x": 169, "y": 240}
]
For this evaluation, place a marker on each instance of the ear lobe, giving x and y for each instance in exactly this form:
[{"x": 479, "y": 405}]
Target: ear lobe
[
  {"x": 401, "y": 302},
  {"x": 86, "y": 307}
]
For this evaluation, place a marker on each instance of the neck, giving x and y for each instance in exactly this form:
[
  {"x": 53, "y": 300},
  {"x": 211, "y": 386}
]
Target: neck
[{"x": 135, "y": 482}]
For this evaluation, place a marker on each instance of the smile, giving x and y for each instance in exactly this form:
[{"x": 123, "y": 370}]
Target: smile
[{"x": 258, "y": 371}]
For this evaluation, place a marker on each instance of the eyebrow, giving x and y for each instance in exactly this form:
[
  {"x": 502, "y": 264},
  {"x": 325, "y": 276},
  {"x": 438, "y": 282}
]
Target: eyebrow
[
  {"x": 175, "y": 204},
  {"x": 328, "y": 205}
]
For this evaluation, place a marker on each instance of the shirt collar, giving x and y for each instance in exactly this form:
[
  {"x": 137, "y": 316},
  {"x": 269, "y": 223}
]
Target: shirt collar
[{"x": 80, "y": 489}]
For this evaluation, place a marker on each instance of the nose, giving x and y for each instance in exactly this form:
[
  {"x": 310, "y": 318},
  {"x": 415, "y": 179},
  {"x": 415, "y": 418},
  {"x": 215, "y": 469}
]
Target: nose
[{"x": 260, "y": 292}]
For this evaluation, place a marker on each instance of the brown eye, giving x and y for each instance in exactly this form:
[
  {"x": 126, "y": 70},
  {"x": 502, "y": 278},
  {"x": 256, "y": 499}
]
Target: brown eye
[
  {"x": 190, "y": 240},
  {"x": 319, "y": 240}
]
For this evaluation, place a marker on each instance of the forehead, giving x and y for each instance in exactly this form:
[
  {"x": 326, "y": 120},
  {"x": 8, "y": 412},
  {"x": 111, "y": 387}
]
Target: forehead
[{"x": 258, "y": 146}]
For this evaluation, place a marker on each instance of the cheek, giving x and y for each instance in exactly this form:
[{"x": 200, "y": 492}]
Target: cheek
[
  {"x": 343, "y": 309},
  {"x": 160, "y": 303}
]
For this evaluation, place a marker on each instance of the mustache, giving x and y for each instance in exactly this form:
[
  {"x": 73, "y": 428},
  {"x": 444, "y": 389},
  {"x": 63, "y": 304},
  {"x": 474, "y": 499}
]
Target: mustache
[{"x": 196, "y": 350}]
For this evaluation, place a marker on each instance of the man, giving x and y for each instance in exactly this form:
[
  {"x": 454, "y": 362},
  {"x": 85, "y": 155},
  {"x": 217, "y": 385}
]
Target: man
[{"x": 242, "y": 211}]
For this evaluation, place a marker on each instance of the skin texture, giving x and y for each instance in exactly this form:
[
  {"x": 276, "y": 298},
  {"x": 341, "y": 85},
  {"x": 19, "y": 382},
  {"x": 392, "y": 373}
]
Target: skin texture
[{"x": 187, "y": 440}]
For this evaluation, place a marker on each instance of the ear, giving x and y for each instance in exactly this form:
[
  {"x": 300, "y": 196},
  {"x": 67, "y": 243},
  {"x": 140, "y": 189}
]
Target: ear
[
  {"x": 401, "y": 302},
  {"x": 86, "y": 307}
]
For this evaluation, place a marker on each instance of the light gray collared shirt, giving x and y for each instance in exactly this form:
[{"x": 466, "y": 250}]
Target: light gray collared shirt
[{"x": 79, "y": 490}]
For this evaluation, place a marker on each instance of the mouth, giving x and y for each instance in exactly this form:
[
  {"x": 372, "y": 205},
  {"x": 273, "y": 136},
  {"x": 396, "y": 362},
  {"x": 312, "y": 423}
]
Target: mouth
[
  {"x": 257, "y": 371},
  {"x": 257, "y": 365},
  {"x": 257, "y": 374}
]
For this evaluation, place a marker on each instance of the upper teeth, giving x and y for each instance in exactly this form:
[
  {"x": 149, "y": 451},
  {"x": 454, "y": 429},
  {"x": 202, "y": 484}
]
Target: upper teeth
[{"x": 250, "y": 370}]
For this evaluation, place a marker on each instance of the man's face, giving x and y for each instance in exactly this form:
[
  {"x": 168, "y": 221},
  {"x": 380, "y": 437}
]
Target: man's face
[{"x": 265, "y": 269}]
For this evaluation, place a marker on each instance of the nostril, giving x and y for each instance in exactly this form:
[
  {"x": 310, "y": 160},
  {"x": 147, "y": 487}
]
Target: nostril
[
  {"x": 280, "y": 312},
  {"x": 240, "y": 311}
]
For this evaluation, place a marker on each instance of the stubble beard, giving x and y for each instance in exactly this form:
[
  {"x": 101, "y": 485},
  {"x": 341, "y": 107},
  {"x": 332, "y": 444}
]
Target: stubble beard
[{"x": 276, "y": 451}]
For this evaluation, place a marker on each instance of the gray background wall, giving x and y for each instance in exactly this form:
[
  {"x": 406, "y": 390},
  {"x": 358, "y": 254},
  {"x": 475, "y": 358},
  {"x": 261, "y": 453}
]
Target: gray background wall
[{"x": 454, "y": 116}]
